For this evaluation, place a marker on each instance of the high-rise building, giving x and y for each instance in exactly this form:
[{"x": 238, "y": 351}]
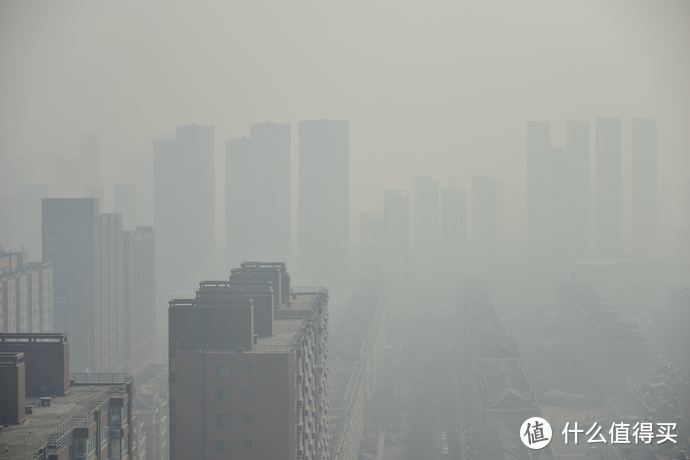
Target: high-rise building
[
  {"x": 396, "y": 230},
  {"x": 643, "y": 203},
  {"x": 608, "y": 188},
  {"x": 196, "y": 145},
  {"x": 248, "y": 360},
  {"x": 259, "y": 194},
  {"x": 426, "y": 217},
  {"x": 171, "y": 250},
  {"x": 573, "y": 229},
  {"x": 558, "y": 193},
  {"x": 20, "y": 218},
  {"x": 453, "y": 222},
  {"x": 85, "y": 249},
  {"x": 323, "y": 208},
  {"x": 51, "y": 414},
  {"x": 139, "y": 296},
  {"x": 125, "y": 204},
  {"x": 539, "y": 186},
  {"x": 184, "y": 205},
  {"x": 26, "y": 294},
  {"x": 484, "y": 216}
]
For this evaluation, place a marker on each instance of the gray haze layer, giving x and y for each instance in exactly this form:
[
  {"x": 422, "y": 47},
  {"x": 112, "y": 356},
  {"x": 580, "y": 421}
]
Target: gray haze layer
[{"x": 438, "y": 88}]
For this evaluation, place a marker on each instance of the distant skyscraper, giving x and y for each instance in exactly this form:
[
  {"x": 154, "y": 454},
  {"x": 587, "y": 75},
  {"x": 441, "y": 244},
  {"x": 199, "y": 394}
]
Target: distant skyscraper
[
  {"x": 426, "y": 217},
  {"x": 168, "y": 200},
  {"x": 608, "y": 191},
  {"x": 259, "y": 194},
  {"x": 484, "y": 215},
  {"x": 139, "y": 296},
  {"x": 324, "y": 220},
  {"x": 396, "y": 230},
  {"x": 453, "y": 222},
  {"x": 184, "y": 205},
  {"x": 20, "y": 219},
  {"x": 558, "y": 193},
  {"x": 643, "y": 205},
  {"x": 125, "y": 204},
  {"x": 539, "y": 187},
  {"x": 576, "y": 184},
  {"x": 85, "y": 249},
  {"x": 196, "y": 145}
]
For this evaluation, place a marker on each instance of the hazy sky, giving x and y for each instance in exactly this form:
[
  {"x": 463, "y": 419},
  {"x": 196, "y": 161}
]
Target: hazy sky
[{"x": 430, "y": 87}]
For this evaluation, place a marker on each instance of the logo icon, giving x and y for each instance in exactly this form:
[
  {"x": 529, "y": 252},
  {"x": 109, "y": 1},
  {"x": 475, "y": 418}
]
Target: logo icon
[{"x": 535, "y": 433}]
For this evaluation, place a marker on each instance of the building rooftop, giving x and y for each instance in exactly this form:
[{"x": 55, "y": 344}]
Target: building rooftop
[
  {"x": 21, "y": 441},
  {"x": 304, "y": 299},
  {"x": 286, "y": 333},
  {"x": 64, "y": 413},
  {"x": 289, "y": 321}
]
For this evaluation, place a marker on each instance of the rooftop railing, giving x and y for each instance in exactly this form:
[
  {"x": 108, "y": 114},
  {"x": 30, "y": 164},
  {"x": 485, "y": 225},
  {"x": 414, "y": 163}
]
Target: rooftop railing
[
  {"x": 59, "y": 438},
  {"x": 87, "y": 378}
]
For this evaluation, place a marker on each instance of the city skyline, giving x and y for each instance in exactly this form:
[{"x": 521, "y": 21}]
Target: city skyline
[{"x": 308, "y": 230}]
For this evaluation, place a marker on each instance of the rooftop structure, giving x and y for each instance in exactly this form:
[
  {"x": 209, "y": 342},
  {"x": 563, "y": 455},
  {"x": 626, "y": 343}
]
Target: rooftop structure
[
  {"x": 251, "y": 352},
  {"x": 89, "y": 417}
]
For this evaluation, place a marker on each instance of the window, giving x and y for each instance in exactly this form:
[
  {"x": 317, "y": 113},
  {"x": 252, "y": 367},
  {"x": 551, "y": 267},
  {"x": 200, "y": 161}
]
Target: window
[
  {"x": 222, "y": 394},
  {"x": 223, "y": 370},
  {"x": 247, "y": 392},
  {"x": 247, "y": 443},
  {"x": 247, "y": 418},
  {"x": 222, "y": 420},
  {"x": 222, "y": 445}
]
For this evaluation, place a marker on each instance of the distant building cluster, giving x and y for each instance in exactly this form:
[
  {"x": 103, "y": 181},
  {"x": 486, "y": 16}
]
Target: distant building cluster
[
  {"x": 104, "y": 283},
  {"x": 573, "y": 213},
  {"x": 26, "y": 294},
  {"x": 431, "y": 225},
  {"x": 258, "y": 200},
  {"x": 248, "y": 368}
]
